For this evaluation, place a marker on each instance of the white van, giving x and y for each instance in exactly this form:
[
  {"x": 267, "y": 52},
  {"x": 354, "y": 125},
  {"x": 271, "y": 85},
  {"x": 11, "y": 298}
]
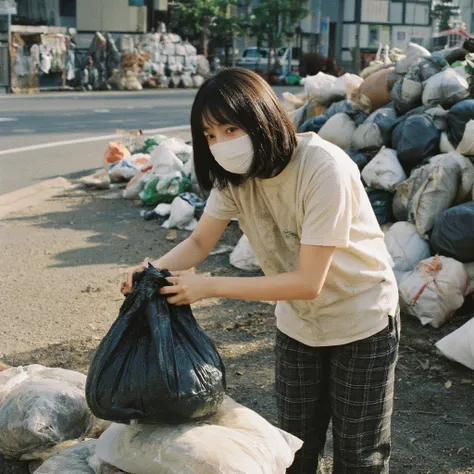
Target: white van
[{"x": 257, "y": 59}]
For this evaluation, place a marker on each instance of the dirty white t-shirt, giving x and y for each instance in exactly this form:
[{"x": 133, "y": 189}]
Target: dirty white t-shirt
[{"x": 318, "y": 199}]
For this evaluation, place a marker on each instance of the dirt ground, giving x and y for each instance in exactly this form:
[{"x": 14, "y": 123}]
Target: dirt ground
[{"x": 62, "y": 266}]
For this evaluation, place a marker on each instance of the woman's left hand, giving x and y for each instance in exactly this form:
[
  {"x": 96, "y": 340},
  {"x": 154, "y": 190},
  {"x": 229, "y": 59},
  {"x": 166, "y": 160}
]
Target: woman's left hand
[{"x": 188, "y": 287}]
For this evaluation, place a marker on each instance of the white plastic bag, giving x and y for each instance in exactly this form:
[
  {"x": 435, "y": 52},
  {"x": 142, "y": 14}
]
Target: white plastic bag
[
  {"x": 243, "y": 256},
  {"x": 384, "y": 171},
  {"x": 181, "y": 214},
  {"x": 344, "y": 86},
  {"x": 339, "y": 129},
  {"x": 466, "y": 170},
  {"x": 435, "y": 290},
  {"x": 41, "y": 407},
  {"x": 179, "y": 147},
  {"x": 459, "y": 345},
  {"x": 437, "y": 191},
  {"x": 446, "y": 88},
  {"x": 298, "y": 116},
  {"x": 235, "y": 441},
  {"x": 406, "y": 247},
  {"x": 292, "y": 101},
  {"x": 367, "y": 136},
  {"x": 319, "y": 88},
  {"x": 73, "y": 460},
  {"x": 198, "y": 81},
  {"x": 136, "y": 184},
  {"x": 445, "y": 145},
  {"x": 466, "y": 147},
  {"x": 164, "y": 161}
]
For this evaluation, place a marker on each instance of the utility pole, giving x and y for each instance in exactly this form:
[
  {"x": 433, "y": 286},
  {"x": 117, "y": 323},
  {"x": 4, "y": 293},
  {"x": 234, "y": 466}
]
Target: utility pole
[{"x": 356, "y": 50}]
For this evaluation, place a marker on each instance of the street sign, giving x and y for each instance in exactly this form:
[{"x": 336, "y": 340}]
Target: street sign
[
  {"x": 401, "y": 36},
  {"x": 8, "y": 7}
]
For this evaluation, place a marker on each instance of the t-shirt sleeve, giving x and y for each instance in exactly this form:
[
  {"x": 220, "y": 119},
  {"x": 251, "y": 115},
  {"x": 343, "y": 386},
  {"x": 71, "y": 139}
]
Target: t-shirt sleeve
[
  {"x": 221, "y": 205},
  {"x": 328, "y": 206}
]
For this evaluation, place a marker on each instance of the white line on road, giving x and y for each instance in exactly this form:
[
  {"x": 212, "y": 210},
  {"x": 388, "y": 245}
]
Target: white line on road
[
  {"x": 102, "y": 111},
  {"x": 8, "y": 119},
  {"x": 78, "y": 141}
]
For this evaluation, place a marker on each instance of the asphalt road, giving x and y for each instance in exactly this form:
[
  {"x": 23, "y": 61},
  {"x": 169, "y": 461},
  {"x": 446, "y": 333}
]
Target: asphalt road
[{"x": 32, "y": 121}]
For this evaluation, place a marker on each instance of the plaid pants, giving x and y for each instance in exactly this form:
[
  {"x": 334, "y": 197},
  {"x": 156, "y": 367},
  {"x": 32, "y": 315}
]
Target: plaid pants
[{"x": 352, "y": 385}]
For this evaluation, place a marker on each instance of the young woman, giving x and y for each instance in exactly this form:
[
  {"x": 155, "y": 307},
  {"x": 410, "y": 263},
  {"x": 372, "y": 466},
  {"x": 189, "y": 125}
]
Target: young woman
[{"x": 301, "y": 203}]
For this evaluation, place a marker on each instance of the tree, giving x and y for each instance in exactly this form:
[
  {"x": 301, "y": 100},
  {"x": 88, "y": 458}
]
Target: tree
[
  {"x": 443, "y": 12},
  {"x": 207, "y": 18},
  {"x": 273, "y": 21}
]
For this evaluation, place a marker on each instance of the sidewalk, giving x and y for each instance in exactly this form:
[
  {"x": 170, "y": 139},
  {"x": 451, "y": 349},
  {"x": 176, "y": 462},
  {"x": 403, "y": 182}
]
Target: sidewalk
[{"x": 62, "y": 264}]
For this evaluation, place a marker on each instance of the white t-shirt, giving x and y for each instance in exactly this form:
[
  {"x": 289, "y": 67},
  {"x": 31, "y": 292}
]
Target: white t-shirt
[{"x": 318, "y": 199}]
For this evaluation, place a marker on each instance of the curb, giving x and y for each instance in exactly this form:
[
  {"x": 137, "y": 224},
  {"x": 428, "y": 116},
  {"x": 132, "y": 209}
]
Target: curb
[{"x": 32, "y": 195}]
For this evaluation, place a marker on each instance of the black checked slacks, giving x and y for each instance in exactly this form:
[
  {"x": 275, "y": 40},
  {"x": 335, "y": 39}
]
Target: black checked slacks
[{"x": 352, "y": 385}]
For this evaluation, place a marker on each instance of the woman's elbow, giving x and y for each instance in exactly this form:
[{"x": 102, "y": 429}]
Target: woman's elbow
[{"x": 311, "y": 293}]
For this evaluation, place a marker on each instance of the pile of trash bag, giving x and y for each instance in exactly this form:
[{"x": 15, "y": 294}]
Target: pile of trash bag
[{"x": 409, "y": 126}]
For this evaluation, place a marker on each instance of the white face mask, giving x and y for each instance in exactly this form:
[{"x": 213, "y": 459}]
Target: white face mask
[{"x": 235, "y": 156}]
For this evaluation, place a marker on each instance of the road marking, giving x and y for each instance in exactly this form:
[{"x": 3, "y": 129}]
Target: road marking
[
  {"x": 42, "y": 146},
  {"x": 23, "y": 130},
  {"x": 8, "y": 119},
  {"x": 102, "y": 111}
]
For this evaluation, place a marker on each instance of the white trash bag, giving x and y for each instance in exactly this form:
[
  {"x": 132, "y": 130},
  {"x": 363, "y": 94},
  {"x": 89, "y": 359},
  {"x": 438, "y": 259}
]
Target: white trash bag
[
  {"x": 243, "y": 256},
  {"x": 234, "y": 441},
  {"x": 339, "y": 130},
  {"x": 319, "y": 88},
  {"x": 435, "y": 290},
  {"x": 445, "y": 146},
  {"x": 41, "y": 407},
  {"x": 406, "y": 247},
  {"x": 164, "y": 162},
  {"x": 179, "y": 147},
  {"x": 367, "y": 136},
  {"x": 181, "y": 215},
  {"x": 466, "y": 147},
  {"x": 446, "y": 88},
  {"x": 459, "y": 345},
  {"x": 436, "y": 193},
  {"x": 384, "y": 171}
]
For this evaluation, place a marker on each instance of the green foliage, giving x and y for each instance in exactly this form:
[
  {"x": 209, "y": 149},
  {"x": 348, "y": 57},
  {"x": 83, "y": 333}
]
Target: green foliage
[{"x": 443, "y": 12}]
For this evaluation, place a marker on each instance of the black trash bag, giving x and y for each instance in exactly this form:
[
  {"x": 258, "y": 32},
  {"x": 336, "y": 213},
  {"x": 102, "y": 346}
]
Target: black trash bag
[
  {"x": 385, "y": 118},
  {"x": 458, "y": 117},
  {"x": 346, "y": 107},
  {"x": 451, "y": 55},
  {"x": 406, "y": 95},
  {"x": 314, "y": 124},
  {"x": 453, "y": 234},
  {"x": 381, "y": 204},
  {"x": 426, "y": 69},
  {"x": 415, "y": 139},
  {"x": 359, "y": 158},
  {"x": 155, "y": 364}
]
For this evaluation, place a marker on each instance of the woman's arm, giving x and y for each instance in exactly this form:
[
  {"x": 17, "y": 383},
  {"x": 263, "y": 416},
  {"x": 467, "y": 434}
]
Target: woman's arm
[
  {"x": 303, "y": 284},
  {"x": 196, "y": 248}
]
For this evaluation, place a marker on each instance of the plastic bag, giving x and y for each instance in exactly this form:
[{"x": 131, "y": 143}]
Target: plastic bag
[
  {"x": 164, "y": 161},
  {"x": 115, "y": 152},
  {"x": 339, "y": 129},
  {"x": 313, "y": 124},
  {"x": 406, "y": 247},
  {"x": 445, "y": 145},
  {"x": 466, "y": 147},
  {"x": 319, "y": 88},
  {"x": 359, "y": 158},
  {"x": 459, "y": 345},
  {"x": 415, "y": 139},
  {"x": 435, "y": 290},
  {"x": 235, "y": 441},
  {"x": 99, "y": 180},
  {"x": 243, "y": 256},
  {"x": 401, "y": 199},
  {"x": 41, "y": 407},
  {"x": 436, "y": 192},
  {"x": 298, "y": 116},
  {"x": 381, "y": 202},
  {"x": 344, "y": 86},
  {"x": 292, "y": 101},
  {"x": 179, "y": 147},
  {"x": 407, "y": 94},
  {"x": 347, "y": 107},
  {"x": 164, "y": 189},
  {"x": 181, "y": 215},
  {"x": 136, "y": 185},
  {"x": 446, "y": 88},
  {"x": 367, "y": 137},
  {"x": 155, "y": 364},
  {"x": 453, "y": 234},
  {"x": 458, "y": 117},
  {"x": 384, "y": 171},
  {"x": 466, "y": 172},
  {"x": 128, "y": 168},
  {"x": 385, "y": 119},
  {"x": 73, "y": 460}
]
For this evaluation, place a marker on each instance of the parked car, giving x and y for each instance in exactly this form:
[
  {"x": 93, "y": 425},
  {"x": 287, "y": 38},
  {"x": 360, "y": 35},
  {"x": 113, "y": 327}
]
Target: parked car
[{"x": 257, "y": 59}]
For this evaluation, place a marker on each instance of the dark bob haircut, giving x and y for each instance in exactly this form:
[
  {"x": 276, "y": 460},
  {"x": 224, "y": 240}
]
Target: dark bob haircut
[{"x": 242, "y": 98}]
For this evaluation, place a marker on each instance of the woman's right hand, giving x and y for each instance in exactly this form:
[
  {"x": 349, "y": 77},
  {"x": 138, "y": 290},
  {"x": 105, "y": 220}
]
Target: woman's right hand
[{"x": 127, "y": 285}]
